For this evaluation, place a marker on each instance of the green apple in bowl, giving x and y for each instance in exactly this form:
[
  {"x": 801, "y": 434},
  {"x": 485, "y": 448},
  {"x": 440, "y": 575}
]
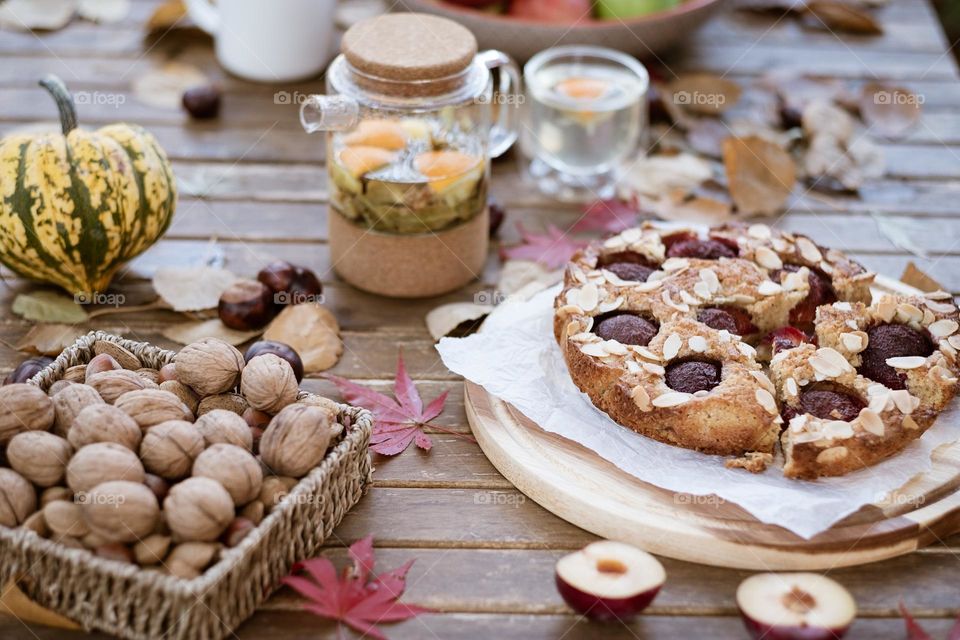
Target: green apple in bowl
[{"x": 624, "y": 9}]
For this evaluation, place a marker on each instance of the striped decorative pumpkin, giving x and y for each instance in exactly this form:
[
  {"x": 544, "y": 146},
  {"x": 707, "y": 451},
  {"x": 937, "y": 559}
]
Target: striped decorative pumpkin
[{"x": 76, "y": 207}]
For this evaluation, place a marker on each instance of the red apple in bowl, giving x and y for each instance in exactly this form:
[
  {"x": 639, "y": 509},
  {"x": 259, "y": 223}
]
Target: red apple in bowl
[
  {"x": 795, "y": 606},
  {"x": 554, "y": 11},
  {"x": 609, "y": 580}
]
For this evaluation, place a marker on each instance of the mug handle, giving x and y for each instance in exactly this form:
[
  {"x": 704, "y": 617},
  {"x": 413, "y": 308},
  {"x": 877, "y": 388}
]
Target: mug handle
[
  {"x": 503, "y": 133},
  {"x": 204, "y": 14}
]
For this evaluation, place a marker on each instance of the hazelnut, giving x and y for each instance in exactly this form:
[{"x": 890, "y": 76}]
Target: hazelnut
[
  {"x": 113, "y": 384},
  {"x": 69, "y": 402},
  {"x": 18, "y": 500},
  {"x": 39, "y": 456},
  {"x": 101, "y": 363},
  {"x": 182, "y": 391},
  {"x": 253, "y": 512},
  {"x": 122, "y": 355},
  {"x": 67, "y": 541},
  {"x": 233, "y": 467},
  {"x": 246, "y": 305},
  {"x": 209, "y": 366},
  {"x": 168, "y": 373},
  {"x": 198, "y": 555},
  {"x": 198, "y": 509},
  {"x": 52, "y": 494},
  {"x": 114, "y": 551},
  {"x": 256, "y": 419},
  {"x": 149, "y": 374},
  {"x": 180, "y": 569},
  {"x": 93, "y": 540},
  {"x": 25, "y": 408},
  {"x": 296, "y": 440},
  {"x": 104, "y": 423},
  {"x": 158, "y": 485},
  {"x": 151, "y": 550},
  {"x": 328, "y": 405},
  {"x": 153, "y": 406},
  {"x": 76, "y": 373},
  {"x": 229, "y": 401},
  {"x": 27, "y": 369},
  {"x": 35, "y": 522},
  {"x": 220, "y": 425},
  {"x": 65, "y": 519},
  {"x": 239, "y": 529},
  {"x": 268, "y": 383},
  {"x": 58, "y": 386},
  {"x": 281, "y": 349},
  {"x": 102, "y": 462},
  {"x": 275, "y": 489},
  {"x": 121, "y": 511},
  {"x": 169, "y": 449}
]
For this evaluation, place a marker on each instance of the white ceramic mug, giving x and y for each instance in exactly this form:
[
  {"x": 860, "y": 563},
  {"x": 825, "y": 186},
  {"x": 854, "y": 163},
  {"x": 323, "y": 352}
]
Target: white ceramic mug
[{"x": 269, "y": 40}]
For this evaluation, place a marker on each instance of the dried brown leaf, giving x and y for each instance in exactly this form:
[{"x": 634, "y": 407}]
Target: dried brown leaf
[
  {"x": 167, "y": 15},
  {"x": 103, "y": 11},
  {"x": 16, "y": 603},
  {"x": 188, "y": 332},
  {"x": 706, "y": 136},
  {"x": 312, "y": 331},
  {"x": 192, "y": 288},
  {"x": 49, "y": 339},
  {"x": 835, "y": 15},
  {"x": 760, "y": 174},
  {"x": 888, "y": 110},
  {"x": 915, "y": 277},
  {"x": 163, "y": 87},
  {"x": 657, "y": 175},
  {"x": 690, "y": 208},
  {"x": 447, "y": 319},
  {"x": 703, "y": 93},
  {"x": 40, "y": 15}
]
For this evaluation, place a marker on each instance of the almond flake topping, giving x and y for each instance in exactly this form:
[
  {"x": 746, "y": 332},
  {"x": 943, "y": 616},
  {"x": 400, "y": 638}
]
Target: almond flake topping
[
  {"x": 616, "y": 242},
  {"x": 928, "y": 317},
  {"x": 709, "y": 276},
  {"x": 831, "y": 455},
  {"x": 615, "y": 348},
  {"x": 589, "y": 296},
  {"x": 613, "y": 278},
  {"x": 940, "y": 307},
  {"x": 854, "y": 342},
  {"x": 871, "y": 422},
  {"x": 906, "y": 362},
  {"x": 940, "y": 294},
  {"x": 649, "y": 285},
  {"x": 724, "y": 335},
  {"x": 769, "y": 288},
  {"x": 595, "y": 349},
  {"x": 643, "y": 352},
  {"x": 671, "y": 346},
  {"x": 687, "y": 298},
  {"x": 764, "y": 381},
  {"x": 702, "y": 290},
  {"x": 674, "y": 264},
  {"x": 640, "y": 397},
  {"x": 631, "y": 235},
  {"x": 632, "y": 367},
  {"x": 570, "y": 310},
  {"x": 698, "y": 344},
  {"x": 610, "y": 305},
  {"x": 829, "y": 363},
  {"x": 758, "y": 231},
  {"x": 954, "y": 341},
  {"x": 765, "y": 400},
  {"x": 796, "y": 280},
  {"x": 943, "y": 328},
  {"x": 904, "y": 401},
  {"x": 671, "y": 399},
  {"x": 746, "y": 349},
  {"x": 798, "y": 423},
  {"x": 582, "y": 336},
  {"x": 791, "y": 386},
  {"x": 768, "y": 258},
  {"x": 887, "y": 308},
  {"x": 910, "y": 423},
  {"x": 808, "y": 250},
  {"x": 655, "y": 369},
  {"x": 909, "y": 313},
  {"x": 826, "y": 267},
  {"x": 667, "y": 300},
  {"x": 842, "y": 306},
  {"x": 837, "y": 429}
]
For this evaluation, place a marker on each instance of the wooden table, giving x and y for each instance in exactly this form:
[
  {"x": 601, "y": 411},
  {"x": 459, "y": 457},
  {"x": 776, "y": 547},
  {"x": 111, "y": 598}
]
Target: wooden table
[{"x": 486, "y": 565}]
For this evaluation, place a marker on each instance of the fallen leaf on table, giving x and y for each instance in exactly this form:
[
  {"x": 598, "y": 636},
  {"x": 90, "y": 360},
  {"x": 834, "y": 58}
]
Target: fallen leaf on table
[
  {"x": 706, "y": 136},
  {"x": 312, "y": 331},
  {"x": 41, "y": 15},
  {"x": 835, "y": 15},
  {"x": 163, "y": 87},
  {"x": 167, "y": 15},
  {"x": 189, "y": 332},
  {"x": 518, "y": 276},
  {"x": 897, "y": 231},
  {"x": 551, "y": 249},
  {"x": 796, "y": 91},
  {"x": 49, "y": 339},
  {"x": 15, "y": 602},
  {"x": 914, "y": 630},
  {"x": 613, "y": 216},
  {"x": 103, "y": 11},
  {"x": 915, "y": 277},
  {"x": 459, "y": 318},
  {"x": 399, "y": 421},
  {"x": 48, "y": 306},
  {"x": 703, "y": 93},
  {"x": 355, "y": 597},
  {"x": 689, "y": 207},
  {"x": 760, "y": 174},
  {"x": 890, "y": 111},
  {"x": 835, "y": 157},
  {"x": 656, "y": 175},
  {"x": 192, "y": 288}
]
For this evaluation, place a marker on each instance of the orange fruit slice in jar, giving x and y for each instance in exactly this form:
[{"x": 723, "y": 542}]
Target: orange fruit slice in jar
[
  {"x": 385, "y": 134},
  {"x": 361, "y": 159},
  {"x": 444, "y": 168},
  {"x": 582, "y": 88}
]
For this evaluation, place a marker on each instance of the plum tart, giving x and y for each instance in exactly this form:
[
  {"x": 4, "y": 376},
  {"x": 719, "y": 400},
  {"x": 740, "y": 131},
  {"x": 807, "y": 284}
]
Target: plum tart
[{"x": 666, "y": 330}]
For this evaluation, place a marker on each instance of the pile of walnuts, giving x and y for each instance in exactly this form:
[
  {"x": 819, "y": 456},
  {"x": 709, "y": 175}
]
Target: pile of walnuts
[{"x": 164, "y": 467}]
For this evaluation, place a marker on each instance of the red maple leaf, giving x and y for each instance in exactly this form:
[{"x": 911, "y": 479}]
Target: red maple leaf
[
  {"x": 914, "y": 630},
  {"x": 399, "y": 421},
  {"x": 613, "y": 216},
  {"x": 356, "y": 598},
  {"x": 551, "y": 249}
]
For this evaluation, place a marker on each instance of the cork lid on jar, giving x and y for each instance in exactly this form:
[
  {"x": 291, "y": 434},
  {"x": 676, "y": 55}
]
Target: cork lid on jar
[{"x": 397, "y": 49}]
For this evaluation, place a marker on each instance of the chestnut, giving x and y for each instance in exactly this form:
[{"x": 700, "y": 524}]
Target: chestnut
[
  {"x": 278, "y": 349},
  {"x": 202, "y": 102},
  {"x": 236, "y": 531},
  {"x": 293, "y": 284},
  {"x": 795, "y": 606},
  {"x": 246, "y": 305},
  {"x": 27, "y": 369}
]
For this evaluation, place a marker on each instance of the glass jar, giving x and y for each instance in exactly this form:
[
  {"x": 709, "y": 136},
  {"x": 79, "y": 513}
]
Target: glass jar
[{"x": 411, "y": 126}]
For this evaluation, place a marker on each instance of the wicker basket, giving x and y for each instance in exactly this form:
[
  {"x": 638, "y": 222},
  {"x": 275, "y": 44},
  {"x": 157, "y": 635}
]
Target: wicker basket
[{"x": 132, "y": 603}]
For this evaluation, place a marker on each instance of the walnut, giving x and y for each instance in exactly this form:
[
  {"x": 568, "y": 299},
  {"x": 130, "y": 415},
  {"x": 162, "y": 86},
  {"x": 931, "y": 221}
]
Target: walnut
[
  {"x": 296, "y": 440},
  {"x": 182, "y": 391},
  {"x": 328, "y": 405},
  {"x": 275, "y": 489},
  {"x": 58, "y": 386},
  {"x": 209, "y": 366},
  {"x": 152, "y": 549},
  {"x": 39, "y": 456},
  {"x": 268, "y": 383},
  {"x": 220, "y": 425},
  {"x": 230, "y": 401},
  {"x": 153, "y": 406},
  {"x": 25, "y": 408},
  {"x": 198, "y": 555},
  {"x": 122, "y": 355},
  {"x": 102, "y": 462},
  {"x": 18, "y": 500},
  {"x": 169, "y": 449},
  {"x": 121, "y": 511},
  {"x": 113, "y": 384},
  {"x": 76, "y": 373},
  {"x": 233, "y": 467},
  {"x": 55, "y": 493},
  {"x": 198, "y": 509},
  {"x": 104, "y": 423},
  {"x": 150, "y": 374},
  {"x": 65, "y": 518},
  {"x": 69, "y": 402}
]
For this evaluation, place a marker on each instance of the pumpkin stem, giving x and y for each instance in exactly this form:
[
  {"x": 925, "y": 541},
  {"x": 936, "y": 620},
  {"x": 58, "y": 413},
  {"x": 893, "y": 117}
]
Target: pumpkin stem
[{"x": 68, "y": 112}]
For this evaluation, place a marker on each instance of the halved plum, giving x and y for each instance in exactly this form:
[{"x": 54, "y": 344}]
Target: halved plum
[
  {"x": 892, "y": 341},
  {"x": 821, "y": 292},
  {"x": 786, "y": 338},
  {"x": 827, "y": 403},
  {"x": 690, "y": 376},
  {"x": 689, "y": 245},
  {"x": 626, "y": 328},
  {"x": 628, "y": 265},
  {"x": 732, "y": 319}
]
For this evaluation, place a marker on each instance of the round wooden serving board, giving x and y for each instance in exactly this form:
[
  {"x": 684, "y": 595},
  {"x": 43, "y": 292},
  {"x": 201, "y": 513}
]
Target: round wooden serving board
[{"x": 579, "y": 486}]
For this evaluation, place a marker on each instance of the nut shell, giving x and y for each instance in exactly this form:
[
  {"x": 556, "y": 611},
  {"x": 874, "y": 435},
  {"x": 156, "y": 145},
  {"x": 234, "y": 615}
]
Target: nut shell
[
  {"x": 296, "y": 440},
  {"x": 198, "y": 509},
  {"x": 269, "y": 383},
  {"x": 40, "y": 457},
  {"x": 233, "y": 467},
  {"x": 229, "y": 401},
  {"x": 209, "y": 366},
  {"x": 104, "y": 423},
  {"x": 69, "y": 402},
  {"x": 113, "y": 384},
  {"x": 122, "y": 355},
  {"x": 222, "y": 426},
  {"x": 18, "y": 500},
  {"x": 151, "y": 550},
  {"x": 121, "y": 511},
  {"x": 150, "y": 407},
  {"x": 76, "y": 373},
  {"x": 65, "y": 519},
  {"x": 102, "y": 462},
  {"x": 169, "y": 449},
  {"x": 182, "y": 391},
  {"x": 25, "y": 408}
]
